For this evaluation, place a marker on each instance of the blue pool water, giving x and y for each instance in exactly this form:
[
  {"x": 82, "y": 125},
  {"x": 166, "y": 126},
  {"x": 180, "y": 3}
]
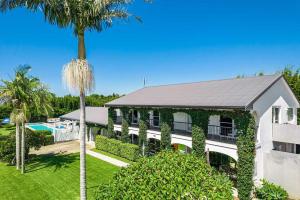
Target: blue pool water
[{"x": 40, "y": 127}]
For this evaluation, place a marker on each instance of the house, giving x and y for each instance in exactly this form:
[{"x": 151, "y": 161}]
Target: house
[
  {"x": 95, "y": 117},
  {"x": 269, "y": 99}
]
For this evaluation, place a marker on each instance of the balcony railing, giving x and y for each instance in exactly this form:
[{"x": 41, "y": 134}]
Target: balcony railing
[
  {"x": 216, "y": 133},
  {"x": 221, "y": 134}
]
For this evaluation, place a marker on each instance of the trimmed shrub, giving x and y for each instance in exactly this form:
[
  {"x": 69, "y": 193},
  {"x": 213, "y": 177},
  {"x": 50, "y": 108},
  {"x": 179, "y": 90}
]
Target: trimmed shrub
[
  {"x": 125, "y": 131},
  {"x": 110, "y": 128},
  {"x": 165, "y": 142},
  {"x": 270, "y": 191},
  {"x": 116, "y": 147},
  {"x": 169, "y": 176},
  {"x": 198, "y": 141},
  {"x": 143, "y": 142}
]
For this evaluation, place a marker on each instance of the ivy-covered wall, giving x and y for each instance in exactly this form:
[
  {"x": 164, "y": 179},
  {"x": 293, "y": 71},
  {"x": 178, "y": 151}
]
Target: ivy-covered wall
[{"x": 245, "y": 126}]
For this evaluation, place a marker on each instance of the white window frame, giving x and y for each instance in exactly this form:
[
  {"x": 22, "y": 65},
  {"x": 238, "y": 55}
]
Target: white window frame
[
  {"x": 273, "y": 116},
  {"x": 287, "y": 113}
]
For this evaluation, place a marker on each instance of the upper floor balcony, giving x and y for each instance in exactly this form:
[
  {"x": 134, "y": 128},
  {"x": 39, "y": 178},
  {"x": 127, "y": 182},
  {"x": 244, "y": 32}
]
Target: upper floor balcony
[
  {"x": 225, "y": 133},
  {"x": 288, "y": 133}
]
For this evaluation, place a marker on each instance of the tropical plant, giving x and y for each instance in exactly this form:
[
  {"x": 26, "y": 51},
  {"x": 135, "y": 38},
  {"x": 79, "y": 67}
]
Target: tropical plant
[
  {"x": 25, "y": 94},
  {"x": 167, "y": 175},
  {"x": 270, "y": 191}
]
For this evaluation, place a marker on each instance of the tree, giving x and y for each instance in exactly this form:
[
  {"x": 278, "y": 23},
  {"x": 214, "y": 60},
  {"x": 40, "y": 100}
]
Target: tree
[
  {"x": 293, "y": 78},
  {"x": 25, "y": 93},
  {"x": 81, "y": 16}
]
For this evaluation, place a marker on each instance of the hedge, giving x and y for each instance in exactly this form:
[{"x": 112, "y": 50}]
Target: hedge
[
  {"x": 116, "y": 147},
  {"x": 169, "y": 176}
]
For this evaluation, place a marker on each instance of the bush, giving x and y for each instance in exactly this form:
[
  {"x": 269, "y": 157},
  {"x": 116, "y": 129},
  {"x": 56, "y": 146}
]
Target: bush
[
  {"x": 270, "y": 191},
  {"x": 33, "y": 139},
  {"x": 167, "y": 175},
  {"x": 198, "y": 141},
  {"x": 42, "y": 137},
  {"x": 116, "y": 147}
]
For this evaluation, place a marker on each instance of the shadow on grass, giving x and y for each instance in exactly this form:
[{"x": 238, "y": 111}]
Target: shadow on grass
[{"x": 56, "y": 161}]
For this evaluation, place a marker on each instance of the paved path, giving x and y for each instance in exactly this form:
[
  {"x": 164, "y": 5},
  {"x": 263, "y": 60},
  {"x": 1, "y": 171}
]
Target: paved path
[
  {"x": 62, "y": 147},
  {"x": 107, "y": 158}
]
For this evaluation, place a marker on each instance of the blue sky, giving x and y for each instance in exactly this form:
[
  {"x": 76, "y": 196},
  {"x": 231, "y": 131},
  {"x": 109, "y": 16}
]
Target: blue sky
[{"x": 177, "y": 42}]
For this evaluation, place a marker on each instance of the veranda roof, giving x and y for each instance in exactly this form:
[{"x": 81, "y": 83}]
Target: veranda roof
[{"x": 94, "y": 115}]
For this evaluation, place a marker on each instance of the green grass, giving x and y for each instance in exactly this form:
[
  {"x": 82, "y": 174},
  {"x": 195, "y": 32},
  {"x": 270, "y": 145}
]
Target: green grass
[
  {"x": 5, "y": 130},
  {"x": 113, "y": 156},
  {"x": 53, "y": 177}
]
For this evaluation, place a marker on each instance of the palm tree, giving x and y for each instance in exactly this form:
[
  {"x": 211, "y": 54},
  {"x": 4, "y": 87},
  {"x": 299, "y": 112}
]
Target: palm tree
[
  {"x": 26, "y": 94},
  {"x": 81, "y": 15}
]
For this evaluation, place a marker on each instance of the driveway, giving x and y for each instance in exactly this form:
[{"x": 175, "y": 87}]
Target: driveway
[{"x": 62, "y": 147}]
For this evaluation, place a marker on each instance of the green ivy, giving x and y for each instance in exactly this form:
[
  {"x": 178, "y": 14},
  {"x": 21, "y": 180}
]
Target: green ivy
[
  {"x": 165, "y": 142},
  {"x": 246, "y": 143},
  {"x": 198, "y": 141},
  {"x": 166, "y": 116},
  {"x": 246, "y": 154}
]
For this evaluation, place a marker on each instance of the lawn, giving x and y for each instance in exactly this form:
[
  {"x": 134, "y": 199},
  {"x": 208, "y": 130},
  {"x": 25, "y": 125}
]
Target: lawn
[
  {"x": 6, "y": 129},
  {"x": 53, "y": 177}
]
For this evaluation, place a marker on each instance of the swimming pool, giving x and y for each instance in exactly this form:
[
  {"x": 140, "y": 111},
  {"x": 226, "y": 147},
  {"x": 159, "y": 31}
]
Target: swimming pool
[{"x": 39, "y": 127}]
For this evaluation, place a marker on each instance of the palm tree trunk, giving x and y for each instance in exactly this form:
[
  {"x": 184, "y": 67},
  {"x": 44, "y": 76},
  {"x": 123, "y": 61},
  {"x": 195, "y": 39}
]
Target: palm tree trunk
[
  {"x": 81, "y": 45},
  {"x": 23, "y": 149},
  {"x": 82, "y": 131},
  {"x": 17, "y": 145},
  {"x": 82, "y": 147}
]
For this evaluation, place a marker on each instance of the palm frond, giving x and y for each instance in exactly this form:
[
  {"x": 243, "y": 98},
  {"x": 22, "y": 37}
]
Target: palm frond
[{"x": 78, "y": 76}]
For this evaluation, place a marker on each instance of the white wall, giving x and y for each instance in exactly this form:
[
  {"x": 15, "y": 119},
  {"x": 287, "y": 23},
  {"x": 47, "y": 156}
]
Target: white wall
[
  {"x": 283, "y": 169},
  {"x": 278, "y": 95}
]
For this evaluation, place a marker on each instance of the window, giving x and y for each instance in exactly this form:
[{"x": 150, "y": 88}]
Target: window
[
  {"x": 290, "y": 114},
  {"x": 226, "y": 126},
  {"x": 135, "y": 117},
  {"x": 155, "y": 118},
  {"x": 275, "y": 114},
  {"x": 285, "y": 147},
  {"x": 297, "y": 148}
]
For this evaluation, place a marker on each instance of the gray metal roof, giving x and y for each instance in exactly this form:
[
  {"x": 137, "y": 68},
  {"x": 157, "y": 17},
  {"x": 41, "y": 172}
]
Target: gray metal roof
[
  {"x": 227, "y": 93},
  {"x": 94, "y": 115}
]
